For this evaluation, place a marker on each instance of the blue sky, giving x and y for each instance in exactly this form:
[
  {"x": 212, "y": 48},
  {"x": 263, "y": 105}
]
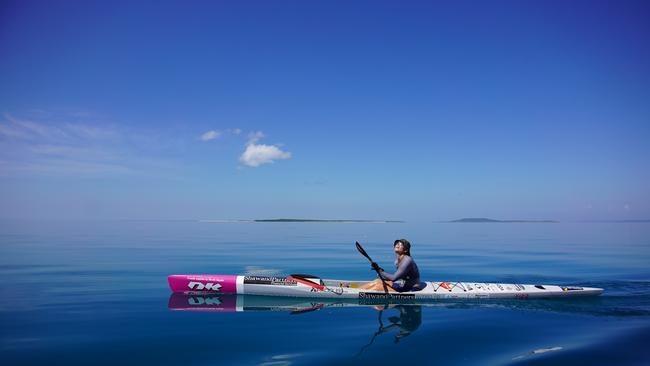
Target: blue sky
[{"x": 325, "y": 109}]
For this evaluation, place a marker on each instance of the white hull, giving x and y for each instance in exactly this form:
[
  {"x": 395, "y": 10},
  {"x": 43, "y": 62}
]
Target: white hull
[{"x": 432, "y": 290}]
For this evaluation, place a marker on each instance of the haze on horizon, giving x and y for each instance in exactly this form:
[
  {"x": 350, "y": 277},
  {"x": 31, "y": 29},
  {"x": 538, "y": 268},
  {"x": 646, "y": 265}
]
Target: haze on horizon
[{"x": 325, "y": 109}]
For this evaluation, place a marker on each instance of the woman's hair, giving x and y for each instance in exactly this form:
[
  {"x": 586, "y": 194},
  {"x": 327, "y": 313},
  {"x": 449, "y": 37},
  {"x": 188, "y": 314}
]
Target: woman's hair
[{"x": 406, "y": 244}]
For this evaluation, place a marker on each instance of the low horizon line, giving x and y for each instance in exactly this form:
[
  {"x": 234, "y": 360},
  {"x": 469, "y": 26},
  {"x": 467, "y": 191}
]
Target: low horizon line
[{"x": 290, "y": 219}]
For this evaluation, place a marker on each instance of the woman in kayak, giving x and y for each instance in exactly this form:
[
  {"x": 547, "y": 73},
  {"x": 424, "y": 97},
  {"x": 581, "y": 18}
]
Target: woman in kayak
[{"x": 407, "y": 276}]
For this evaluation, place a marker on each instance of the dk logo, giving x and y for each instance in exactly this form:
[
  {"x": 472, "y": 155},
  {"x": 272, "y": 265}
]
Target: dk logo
[{"x": 201, "y": 286}]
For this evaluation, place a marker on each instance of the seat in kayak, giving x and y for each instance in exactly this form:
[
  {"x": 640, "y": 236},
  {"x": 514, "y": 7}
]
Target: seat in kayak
[{"x": 419, "y": 287}]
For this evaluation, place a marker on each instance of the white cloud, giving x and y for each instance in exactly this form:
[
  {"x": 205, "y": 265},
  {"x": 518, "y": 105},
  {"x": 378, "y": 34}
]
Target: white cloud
[
  {"x": 52, "y": 132},
  {"x": 73, "y": 152},
  {"x": 256, "y": 155},
  {"x": 52, "y": 145},
  {"x": 10, "y": 131},
  {"x": 210, "y": 135},
  {"x": 259, "y": 154},
  {"x": 90, "y": 132},
  {"x": 24, "y": 129},
  {"x": 61, "y": 166},
  {"x": 253, "y": 137}
]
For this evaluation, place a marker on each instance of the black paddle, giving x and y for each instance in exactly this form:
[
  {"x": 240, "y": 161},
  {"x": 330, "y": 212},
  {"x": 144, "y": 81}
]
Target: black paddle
[{"x": 363, "y": 252}]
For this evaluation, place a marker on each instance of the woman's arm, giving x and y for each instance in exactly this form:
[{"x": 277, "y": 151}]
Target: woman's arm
[{"x": 401, "y": 270}]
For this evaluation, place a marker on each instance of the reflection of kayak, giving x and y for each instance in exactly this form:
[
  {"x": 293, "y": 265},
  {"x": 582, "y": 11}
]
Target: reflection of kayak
[
  {"x": 313, "y": 287},
  {"x": 225, "y": 303},
  {"x": 228, "y": 303}
]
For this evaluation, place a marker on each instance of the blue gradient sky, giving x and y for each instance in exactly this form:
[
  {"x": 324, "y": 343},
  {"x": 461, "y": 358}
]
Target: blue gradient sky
[{"x": 425, "y": 111}]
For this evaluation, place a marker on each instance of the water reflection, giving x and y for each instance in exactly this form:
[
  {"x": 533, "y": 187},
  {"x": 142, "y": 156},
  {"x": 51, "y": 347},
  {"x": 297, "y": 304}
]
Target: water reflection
[
  {"x": 380, "y": 323},
  {"x": 408, "y": 321},
  {"x": 408, "y": 317},
  {"x": 294, "y": 305}
]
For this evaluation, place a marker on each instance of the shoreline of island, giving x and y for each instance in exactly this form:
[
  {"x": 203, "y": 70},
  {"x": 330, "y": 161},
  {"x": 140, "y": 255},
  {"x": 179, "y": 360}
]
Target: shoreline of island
[
  {"x": 465, "y": 220},
  {"x": 484, "y": 220},
  {"x": 289, "y": 220}
]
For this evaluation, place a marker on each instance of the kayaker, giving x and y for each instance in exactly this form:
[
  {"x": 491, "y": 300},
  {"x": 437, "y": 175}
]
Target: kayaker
[{"x": 407, "y": 276}]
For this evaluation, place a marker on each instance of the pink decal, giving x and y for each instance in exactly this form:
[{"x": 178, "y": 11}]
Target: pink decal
[{"x": 203, "y": 283}]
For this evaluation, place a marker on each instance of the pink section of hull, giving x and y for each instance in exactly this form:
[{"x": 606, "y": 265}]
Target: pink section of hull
[{"x": 203, "y": 283}]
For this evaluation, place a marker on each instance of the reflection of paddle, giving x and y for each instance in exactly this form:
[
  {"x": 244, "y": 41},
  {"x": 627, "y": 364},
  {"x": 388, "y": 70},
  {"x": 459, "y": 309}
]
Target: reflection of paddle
[
  {"x": 408, "y": 322},
  {"x": 363, "y": 252},
  {"x": 378, "y": 332},
  {"x": 307, "y": 310}
]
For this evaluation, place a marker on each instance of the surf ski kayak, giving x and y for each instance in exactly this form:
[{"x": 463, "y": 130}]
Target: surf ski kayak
[{"x": 308, "y": 286}]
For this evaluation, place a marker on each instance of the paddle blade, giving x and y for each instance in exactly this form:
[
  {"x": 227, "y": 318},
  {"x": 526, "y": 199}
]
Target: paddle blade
[{"x": 362, "y": 251}]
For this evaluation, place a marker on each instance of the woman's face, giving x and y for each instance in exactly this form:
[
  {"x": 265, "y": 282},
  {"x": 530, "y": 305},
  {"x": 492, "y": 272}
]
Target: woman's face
[{"x": 399, "y": 248}]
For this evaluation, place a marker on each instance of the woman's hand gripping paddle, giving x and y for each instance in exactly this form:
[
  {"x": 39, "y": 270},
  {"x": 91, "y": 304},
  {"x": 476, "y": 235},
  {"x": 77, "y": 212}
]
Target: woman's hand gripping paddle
[{"x": 363, "y": 253}]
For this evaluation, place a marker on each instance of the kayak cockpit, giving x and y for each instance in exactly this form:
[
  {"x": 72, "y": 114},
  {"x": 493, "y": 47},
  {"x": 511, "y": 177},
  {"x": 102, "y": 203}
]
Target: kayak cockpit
[
  {"x": 358, "y": 284},
  {"x": 344, "y": 284}
]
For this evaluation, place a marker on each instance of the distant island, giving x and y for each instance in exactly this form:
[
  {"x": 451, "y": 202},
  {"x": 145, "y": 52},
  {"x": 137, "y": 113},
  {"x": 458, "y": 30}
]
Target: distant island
[
  {"x": 338, "y": 221},
  {"x": 486, "y": 220},
  {"x": 618, "y": 221}
]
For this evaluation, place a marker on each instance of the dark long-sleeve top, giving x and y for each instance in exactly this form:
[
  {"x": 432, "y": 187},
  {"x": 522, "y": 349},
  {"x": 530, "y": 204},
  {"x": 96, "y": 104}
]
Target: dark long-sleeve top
[{"x": 407, "y": 270}]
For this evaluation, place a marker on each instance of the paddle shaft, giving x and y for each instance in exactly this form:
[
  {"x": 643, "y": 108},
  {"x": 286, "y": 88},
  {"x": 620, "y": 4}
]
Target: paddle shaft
[{"x": 365, "y": 254}]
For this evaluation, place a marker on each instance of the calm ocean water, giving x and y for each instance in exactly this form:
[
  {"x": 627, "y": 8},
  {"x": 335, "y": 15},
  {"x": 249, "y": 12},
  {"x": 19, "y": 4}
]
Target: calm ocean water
[{"x": 96, "y": 293}]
